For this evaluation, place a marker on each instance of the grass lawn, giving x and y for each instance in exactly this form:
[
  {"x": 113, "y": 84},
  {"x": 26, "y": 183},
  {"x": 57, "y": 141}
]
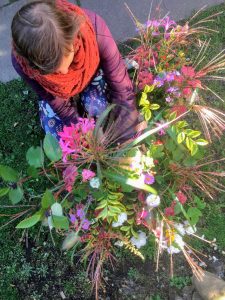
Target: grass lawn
[{"x": 40, "y": 271}]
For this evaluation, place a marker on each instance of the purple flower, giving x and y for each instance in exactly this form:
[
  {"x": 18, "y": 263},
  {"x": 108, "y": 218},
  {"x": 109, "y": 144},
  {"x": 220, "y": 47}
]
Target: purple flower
[
  {"x": 168, "y": 23},
  {"x": 149, "y": 178},
  {"x": 172, "y": 90},
  {"x": 169, "y": 99},
  {"x": 170, "y": 76},
  {"x": 73, "y": 218},
  {"x": 80, "y": 213},
  {"x": 85, "y": 224},
  {"x": 159, "y": 80}
]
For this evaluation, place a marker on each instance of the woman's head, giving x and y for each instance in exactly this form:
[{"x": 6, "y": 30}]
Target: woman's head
[{"x": 44, "y": 35}]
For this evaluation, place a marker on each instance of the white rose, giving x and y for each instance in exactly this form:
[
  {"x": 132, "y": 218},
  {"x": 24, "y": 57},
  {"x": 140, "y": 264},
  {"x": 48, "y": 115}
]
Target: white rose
[
  {"x": 140, "y": 241},
  {"x": 180, "y": 228},
  {"x": 95, "y": 183},
  {"x": 153, "y": 200},
  {"x": 118, "y": 243},
  {"x": 121, "y": 219},
  {"x": 173, "y": 250}
]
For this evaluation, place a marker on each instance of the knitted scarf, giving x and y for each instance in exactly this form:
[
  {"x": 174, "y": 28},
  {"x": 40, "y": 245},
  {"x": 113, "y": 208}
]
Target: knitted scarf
[{"x": 83, "y": 67}]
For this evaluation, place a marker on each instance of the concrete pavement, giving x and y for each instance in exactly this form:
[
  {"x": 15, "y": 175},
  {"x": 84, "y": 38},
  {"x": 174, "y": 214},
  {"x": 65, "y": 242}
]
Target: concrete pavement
[{"x": 113, "y": 11}]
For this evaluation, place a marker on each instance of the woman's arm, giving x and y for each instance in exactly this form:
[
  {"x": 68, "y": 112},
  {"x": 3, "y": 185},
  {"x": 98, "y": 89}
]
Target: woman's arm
[
  {"x": 63, "y": 108},
  {"x": 121, "y": 88}
]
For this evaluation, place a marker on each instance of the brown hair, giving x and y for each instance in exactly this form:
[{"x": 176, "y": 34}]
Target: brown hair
[{"x": 42, "y": 32}]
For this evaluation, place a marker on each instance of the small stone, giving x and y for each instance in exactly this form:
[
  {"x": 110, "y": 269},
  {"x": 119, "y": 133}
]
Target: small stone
[
  {"x": 187, "y": 292},
  {"x": 178, "y": 298},
  {"x": 209, "y": 286},
  {"x": 217, "y": 268},
  {"x": 62, "y": 295},
  {"x": 196, "y": 296}
]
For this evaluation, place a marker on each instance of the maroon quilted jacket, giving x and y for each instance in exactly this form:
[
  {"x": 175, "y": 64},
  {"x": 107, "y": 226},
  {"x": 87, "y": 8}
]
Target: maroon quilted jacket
[{"x": 121, "y": 89}]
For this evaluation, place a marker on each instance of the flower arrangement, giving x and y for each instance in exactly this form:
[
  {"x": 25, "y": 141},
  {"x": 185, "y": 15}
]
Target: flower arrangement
[{"x": 106, "y": 194}]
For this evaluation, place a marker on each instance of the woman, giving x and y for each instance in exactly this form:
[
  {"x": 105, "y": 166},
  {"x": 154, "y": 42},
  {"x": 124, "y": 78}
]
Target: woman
[{"x": 69, "y": 57}]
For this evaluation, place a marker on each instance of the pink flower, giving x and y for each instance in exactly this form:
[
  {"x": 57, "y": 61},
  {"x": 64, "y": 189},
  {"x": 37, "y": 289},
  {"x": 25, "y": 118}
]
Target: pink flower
[
  {"x": 73, "y": 138},
  {"x": 69, "y": 177},
  {"x": 149, "y": 178},
  {"x": 87, "y": 175},
  {"x": 141, "y": 196},
  {"x": 188, "y": 71},
  {"x": 141, "y": 216},
  {"x": 86, "y": 125},
  {"x": 169, "y": 211},
  {"x": 187, "y": 91},
  {"x": 181, "y": 197},
  {"x": 179, "y": 109}
]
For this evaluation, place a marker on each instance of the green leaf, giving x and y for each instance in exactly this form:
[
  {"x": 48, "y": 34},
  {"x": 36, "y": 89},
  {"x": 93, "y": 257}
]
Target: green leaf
[
  {"x": 103, "y": 214},
  {"x": 178, "y": 154},
  {"x": 125, "y": 228},
  {"x": 47, "y": 199},
  {"x": 193, "y": 133},
  {"x": 143, "y": 100},
  {"x": 148, "y": 115},
  {"x": 35, "y": 157},
  {"x": 126, "y": 188},
  {"x": 172, "y": 116},
  {"x": 102, "y": 205},
  {"x": 180, "y": 137},
  {"x": 52, "y": 148},
  {"x": 200, "y": 204},
  {"x": 154, "y": 106},
  {"x": 102, "y": 118},
  {"x": 56, "y": 209},
  {"x": 4, "y": 192},
  {"x": 16, "y": 195},
  {"x": 33, "y": 172},
  {"x": 177, "y": 208},
  {"x": 194, "y": 214},
  {"x": 8, "y": 174},
  {"x": 29, "y": 222},
  {"x": 194, "y": 149},
  {"x": 191, "y": 145},
  {"x": 136, "y": 183},
  {"x": 149, "y": 88},
  {"x": 60, "y": 222},
  {"x": 114, "y": 209},
  {"x": 201, "y": 142},
  {"x": 181, "y": 124}
]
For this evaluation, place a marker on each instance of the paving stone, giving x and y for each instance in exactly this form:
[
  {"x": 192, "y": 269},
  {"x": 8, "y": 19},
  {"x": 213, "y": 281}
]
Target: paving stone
[{"x": 113, "y": 11}]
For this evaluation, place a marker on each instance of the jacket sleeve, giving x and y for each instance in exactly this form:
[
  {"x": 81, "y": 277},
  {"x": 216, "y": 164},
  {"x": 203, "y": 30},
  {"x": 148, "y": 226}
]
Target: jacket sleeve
[
  {"x": 120, "y": 85},
  {"x": 62, "y": 107}
]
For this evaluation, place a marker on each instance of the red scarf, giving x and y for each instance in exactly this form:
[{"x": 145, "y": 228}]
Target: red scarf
[{"x": 83, "y": 67}]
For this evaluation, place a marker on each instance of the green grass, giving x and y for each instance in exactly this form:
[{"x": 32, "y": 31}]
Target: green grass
[{"x": 49, "y": 269}]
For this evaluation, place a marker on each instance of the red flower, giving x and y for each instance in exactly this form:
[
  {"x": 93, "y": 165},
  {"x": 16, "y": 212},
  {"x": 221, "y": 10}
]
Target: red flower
[
  {"x": 179, "y": 109},
  {"x": 181, "y": 197},
  {"x": 169, "y": 211},
  {"x": 188, "y": 71}
]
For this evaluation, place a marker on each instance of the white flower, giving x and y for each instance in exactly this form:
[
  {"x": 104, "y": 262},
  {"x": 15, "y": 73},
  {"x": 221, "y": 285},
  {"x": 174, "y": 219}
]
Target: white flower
[
  {"x": 173, "y": 250},
  {"x": 149, "y": 162},
  {"x": 50, "y": 223},
  {"x": 180, "y": 228},
  {"x": 179, "y": 241},
  {"x": 189, "y": 229},
  {"x": 130, "y": 63},
  {"x": 95, "y": 183},
  {"x": 118, "y": 243},
  {"x": 121, "y": 219},
  {"x": 140, "y": 241},
  {"x": 153, "y": 200}
]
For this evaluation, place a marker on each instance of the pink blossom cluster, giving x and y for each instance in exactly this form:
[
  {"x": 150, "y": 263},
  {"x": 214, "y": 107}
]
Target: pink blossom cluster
[{"x": 73, "y": 138}]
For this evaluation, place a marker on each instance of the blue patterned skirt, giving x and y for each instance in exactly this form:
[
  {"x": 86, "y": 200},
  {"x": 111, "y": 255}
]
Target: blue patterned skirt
[{"x": 94, "y": 100}]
